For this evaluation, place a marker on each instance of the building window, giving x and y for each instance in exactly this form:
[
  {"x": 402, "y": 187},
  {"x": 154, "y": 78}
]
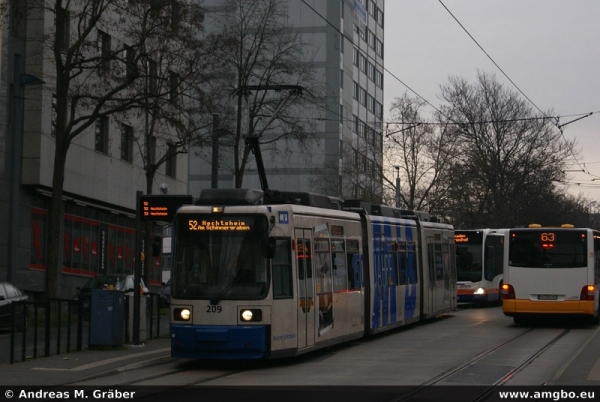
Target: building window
[
  {"x": 152, "y": 76},
  {"x": 173, "y": 87},
  {"x": 379, "y": 78},
  {"x": 363, "y": 96},
  {"x": 126, "y": 143},
  {"x": 175, "y": 15},
  {"x": 171, "y": 162},
  {"x": 379, "y": 47},
  {"x": 372, "y": 40},
  {"x": 151, "y": 150},
  {"x": 63, "y": 28},
  {"x": 18, "y": 11},
  {"x": 102, "y": 135},
  {"x": 130, "y": 67},
  {"x": 355, "y": 94},
  {"x": 362, "y": 126},
  {"x": 54, "y": 115},
  {"x": 103, "y": 43}
]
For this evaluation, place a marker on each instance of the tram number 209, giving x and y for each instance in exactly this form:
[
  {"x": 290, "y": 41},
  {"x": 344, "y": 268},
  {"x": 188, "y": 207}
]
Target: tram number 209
[{"x": 214, "y": 309}]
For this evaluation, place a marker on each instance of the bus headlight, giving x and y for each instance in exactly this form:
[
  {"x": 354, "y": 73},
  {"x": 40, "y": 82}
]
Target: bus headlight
[
  {"x": 251, "y": 315},
  {"x": 480, "y": 291},
  {"x": 182, "y": 314}
]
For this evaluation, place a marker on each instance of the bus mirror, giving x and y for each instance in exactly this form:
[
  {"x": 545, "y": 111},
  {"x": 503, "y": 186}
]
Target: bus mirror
[{"x": 271, "y": 246}]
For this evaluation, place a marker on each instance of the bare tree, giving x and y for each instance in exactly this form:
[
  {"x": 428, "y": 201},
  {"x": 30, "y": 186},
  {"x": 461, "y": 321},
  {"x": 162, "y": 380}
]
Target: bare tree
[
  {"x": 420, "y": 153},
  {"x": 509, "y": 155},
  {"x": 170, "y": 56},
  {"x": 359, "y": 168},
  {"x": 257, "y": 52},
  {"x": 93, "y": 78}
]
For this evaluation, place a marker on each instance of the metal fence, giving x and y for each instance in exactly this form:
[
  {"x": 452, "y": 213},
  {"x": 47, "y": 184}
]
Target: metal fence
[{"x": 62, "y": 325}]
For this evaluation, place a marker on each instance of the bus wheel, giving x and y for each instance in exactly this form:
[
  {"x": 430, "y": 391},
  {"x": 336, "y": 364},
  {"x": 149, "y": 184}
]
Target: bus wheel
[
  {"x": 594, "y": 320},
  {"x": 518, "y": 320}
]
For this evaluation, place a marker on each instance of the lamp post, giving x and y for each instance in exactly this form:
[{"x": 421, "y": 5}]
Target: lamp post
[
  {"x": 19, "y": 82},
  {"x": 397, "y": 167}
]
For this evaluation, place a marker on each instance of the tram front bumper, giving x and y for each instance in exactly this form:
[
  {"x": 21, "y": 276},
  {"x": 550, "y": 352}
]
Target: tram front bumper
[{"x": 235, "y": 342}]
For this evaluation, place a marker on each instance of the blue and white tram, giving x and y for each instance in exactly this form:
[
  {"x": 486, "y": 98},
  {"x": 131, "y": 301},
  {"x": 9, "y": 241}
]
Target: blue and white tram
[{"x": 258, "y": 280}]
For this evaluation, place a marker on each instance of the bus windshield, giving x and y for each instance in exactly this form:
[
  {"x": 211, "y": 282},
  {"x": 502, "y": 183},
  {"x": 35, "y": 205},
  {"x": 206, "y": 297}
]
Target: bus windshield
[
  {"x": 548, "y": 248},
  {"x": 220, "y": 257},
  {"x": 469, "y": 255}
]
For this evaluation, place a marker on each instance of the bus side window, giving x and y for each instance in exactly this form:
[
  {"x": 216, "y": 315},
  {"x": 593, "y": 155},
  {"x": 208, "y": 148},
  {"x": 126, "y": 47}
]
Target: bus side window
[{"x": 282, "y": 270}]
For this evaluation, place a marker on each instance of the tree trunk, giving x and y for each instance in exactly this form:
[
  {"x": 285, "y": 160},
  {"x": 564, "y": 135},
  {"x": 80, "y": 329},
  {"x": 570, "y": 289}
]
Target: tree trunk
[{"x": 53, "y": 254}]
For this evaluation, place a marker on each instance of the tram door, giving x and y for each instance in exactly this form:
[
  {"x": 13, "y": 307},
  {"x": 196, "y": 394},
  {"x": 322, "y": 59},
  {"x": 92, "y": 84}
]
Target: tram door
[
  {"x": 306, "y": 307},
  {"x": 438, "y": 287}
]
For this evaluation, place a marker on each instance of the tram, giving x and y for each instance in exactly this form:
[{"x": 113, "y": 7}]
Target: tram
[
  {"x": 479, "y": 265},
  {"x": 551, "y": 270},
  {"x": 262, "y": 275}
]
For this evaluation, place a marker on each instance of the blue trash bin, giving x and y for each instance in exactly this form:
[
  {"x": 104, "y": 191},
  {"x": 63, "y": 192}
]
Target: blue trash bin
[{"x": 107, "y": 319}]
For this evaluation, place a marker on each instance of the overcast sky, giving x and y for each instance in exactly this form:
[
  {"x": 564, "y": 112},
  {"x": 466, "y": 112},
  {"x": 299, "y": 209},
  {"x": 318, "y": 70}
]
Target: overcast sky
[{"x": 549, "y": 48}]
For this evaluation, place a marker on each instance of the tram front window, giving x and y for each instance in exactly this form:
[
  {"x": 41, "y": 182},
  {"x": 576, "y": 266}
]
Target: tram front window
[{"x": 221, "y": 257}]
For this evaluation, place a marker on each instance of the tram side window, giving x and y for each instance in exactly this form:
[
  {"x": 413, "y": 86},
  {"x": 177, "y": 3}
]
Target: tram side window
[
  {"x": 402, "y": 263},
  {"x": 439, "y": 265},
  {"x": 411, "y": 264},
  {"x": 339, "y": 265},
  {"x": 282, "y": 271},
  {"x": 353, "y": 265},
  {"x": 390, "y": 264}
]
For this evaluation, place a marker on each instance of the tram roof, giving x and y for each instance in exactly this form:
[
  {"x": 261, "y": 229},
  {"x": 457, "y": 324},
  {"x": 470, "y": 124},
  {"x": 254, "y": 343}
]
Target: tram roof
[{"x": 240, "y": 196}]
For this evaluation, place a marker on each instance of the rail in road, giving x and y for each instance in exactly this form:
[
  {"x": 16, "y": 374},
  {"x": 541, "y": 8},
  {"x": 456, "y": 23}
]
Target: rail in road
[{"x": 489, "y": 351}]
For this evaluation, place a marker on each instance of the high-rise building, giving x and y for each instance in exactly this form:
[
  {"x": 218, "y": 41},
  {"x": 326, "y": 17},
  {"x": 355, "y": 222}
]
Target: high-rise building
[{"x": 343, "y": 44}]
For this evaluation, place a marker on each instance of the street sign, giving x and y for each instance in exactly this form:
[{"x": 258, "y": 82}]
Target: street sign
[{"x": 162, "y": 207}]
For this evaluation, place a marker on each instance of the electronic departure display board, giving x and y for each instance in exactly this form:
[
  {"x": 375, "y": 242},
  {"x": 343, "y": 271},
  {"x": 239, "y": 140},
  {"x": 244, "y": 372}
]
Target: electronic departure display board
[{"x": 162, "y": 207}]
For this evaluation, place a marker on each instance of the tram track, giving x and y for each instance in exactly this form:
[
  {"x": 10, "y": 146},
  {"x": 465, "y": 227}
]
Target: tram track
[{"x": 485, "y": 391}]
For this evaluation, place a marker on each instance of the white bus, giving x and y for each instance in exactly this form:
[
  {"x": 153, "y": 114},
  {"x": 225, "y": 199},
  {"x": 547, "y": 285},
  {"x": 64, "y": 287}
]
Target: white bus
[
  {"x": 551, "y": 270},
  {"x": 479, "y": 265}
]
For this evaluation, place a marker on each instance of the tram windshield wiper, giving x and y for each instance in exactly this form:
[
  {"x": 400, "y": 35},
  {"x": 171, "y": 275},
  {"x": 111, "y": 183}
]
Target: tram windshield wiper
[{"x": 241, "y": 274}]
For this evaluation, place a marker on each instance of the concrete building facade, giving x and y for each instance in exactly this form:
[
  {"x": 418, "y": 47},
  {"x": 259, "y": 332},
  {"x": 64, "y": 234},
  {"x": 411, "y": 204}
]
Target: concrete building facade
[{"x": 104, "y": 169}]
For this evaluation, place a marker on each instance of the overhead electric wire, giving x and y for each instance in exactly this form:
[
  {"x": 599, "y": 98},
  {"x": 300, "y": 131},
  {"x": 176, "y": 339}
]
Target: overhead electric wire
[
  {"x": 351, "y": 41},
  {"x": 559, "y": 127}
]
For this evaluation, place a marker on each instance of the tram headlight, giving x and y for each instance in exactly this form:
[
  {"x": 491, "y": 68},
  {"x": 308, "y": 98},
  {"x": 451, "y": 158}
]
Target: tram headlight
[
  {"x": 480, "y": 291},
  {"x": 182, "y": 314},
  {"x": 251, "y": 315}
]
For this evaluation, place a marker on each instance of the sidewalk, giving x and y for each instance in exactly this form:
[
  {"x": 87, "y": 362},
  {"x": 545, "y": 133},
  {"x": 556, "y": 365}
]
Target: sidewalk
[{"x": 72, "y": 367}]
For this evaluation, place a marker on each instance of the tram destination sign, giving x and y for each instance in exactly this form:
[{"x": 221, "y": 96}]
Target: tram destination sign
[{"x": 162, "y": 207}]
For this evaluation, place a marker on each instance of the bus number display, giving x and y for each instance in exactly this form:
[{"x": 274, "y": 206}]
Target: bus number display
[
  {"x": 461, "y": 238},
  {"x": 217, "y": 224},
  {"x": 547, "y": 237}
]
